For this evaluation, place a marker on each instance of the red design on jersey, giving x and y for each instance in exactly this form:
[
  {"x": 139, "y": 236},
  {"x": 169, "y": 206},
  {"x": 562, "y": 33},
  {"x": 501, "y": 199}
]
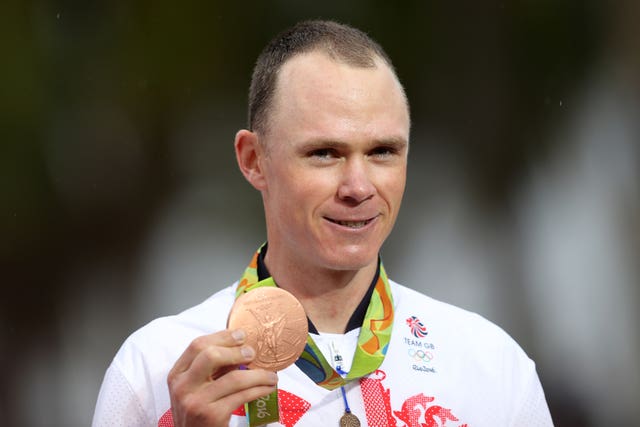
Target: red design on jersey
[
  {"x": 292, "y": 408},
  {"x": 416, "y": 411},
  {"x": 416, "y": 406},
  {"x": 377, "y": 405},
  {"x": 376, "y": 398},
  {"x": 166, "y": 420}
]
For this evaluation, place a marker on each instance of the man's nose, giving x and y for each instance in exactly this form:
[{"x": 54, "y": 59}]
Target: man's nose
[{"x": 356, "y": 185}]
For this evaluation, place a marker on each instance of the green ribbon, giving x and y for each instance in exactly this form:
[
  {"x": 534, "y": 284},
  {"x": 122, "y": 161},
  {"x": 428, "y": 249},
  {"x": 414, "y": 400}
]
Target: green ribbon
[{"x": 263, "y": 410}]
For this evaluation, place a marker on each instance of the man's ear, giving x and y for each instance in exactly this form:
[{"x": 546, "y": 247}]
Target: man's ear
[{"x": 249, "y": 154}]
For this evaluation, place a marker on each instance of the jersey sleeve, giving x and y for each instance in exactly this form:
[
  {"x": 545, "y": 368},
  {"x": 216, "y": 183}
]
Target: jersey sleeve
[
  {"x": 117, "y": 404},
  {"x": 533, "y": 410}
]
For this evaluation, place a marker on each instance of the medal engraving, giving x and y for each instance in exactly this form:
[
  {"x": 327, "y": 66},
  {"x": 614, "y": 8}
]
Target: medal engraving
[
  {"x": 349, "y": 420},
  {"x": 275, "y": 323}
]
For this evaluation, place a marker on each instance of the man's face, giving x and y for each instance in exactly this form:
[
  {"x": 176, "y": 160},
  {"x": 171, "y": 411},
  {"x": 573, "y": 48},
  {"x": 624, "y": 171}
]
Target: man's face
[{"x": 335, "y": 162}]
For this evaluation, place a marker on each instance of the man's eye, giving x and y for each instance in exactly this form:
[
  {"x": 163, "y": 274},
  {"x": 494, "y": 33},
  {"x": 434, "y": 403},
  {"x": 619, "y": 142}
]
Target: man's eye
[
  {"x": 383, "y": 151},
  {"x": 323, "y": 153}
]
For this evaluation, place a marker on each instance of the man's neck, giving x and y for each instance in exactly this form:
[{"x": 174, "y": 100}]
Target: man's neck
[{"x": 329, "y": 297}]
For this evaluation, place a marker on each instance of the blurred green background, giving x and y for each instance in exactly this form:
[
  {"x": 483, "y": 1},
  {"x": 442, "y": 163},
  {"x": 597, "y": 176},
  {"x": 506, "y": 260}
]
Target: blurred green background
[{"x": 120, "y": 200}]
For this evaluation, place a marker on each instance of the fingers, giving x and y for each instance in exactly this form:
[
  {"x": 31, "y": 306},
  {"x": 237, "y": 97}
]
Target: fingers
[
  {"x": 238, "y": 387},
  {"x": 239, "y": 382},
  {"x": 213, "y": 359},
  {"x": 213, "y": 404},
  {"x": 205, "y": 385},
  {"x": 238, "y": 399},
  {"x": 207, "y": 358},
  {"x": 224, "y": 338}
]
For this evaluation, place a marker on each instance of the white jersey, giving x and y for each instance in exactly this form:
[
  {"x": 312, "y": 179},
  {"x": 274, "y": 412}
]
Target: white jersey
[{"x": 444, "y": 367}]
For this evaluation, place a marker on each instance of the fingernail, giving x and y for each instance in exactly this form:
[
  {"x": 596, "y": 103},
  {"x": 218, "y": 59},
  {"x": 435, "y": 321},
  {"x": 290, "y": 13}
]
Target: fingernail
[
  {"x": 238, "y": 335},
  {"x": 247, "y": 352}
]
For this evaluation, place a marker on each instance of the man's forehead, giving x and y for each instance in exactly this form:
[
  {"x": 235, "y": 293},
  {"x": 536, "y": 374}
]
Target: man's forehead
[
  {"x": 313, "y": 58},
  {"x": 316, "y": 70},
  {"x": 318, "y": 97},
  {"x": 328, "y": 90}
]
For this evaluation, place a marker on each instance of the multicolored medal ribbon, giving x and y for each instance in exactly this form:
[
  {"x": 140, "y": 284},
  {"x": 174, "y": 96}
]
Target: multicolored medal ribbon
[{"x": 371, "y": 349}]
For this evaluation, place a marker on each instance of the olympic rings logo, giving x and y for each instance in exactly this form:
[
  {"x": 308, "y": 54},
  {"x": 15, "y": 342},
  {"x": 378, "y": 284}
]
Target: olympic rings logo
[{"x": 420, "y": 355}]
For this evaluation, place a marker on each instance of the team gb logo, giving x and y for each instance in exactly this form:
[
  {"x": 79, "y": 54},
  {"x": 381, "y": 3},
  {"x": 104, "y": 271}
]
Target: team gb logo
[{"x": 417, "y": 327}]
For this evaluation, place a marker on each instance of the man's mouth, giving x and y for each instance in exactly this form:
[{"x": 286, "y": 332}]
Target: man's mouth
[{"x": 351, "y": 224}]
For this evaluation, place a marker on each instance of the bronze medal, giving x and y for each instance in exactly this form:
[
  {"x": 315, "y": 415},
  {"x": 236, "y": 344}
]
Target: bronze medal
[
  {"x": 275, "y": 323},
  {"x": 349, "y": 420}
]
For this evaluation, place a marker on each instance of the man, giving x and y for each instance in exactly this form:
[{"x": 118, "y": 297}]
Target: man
[{"x": 327, "y": 149}]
